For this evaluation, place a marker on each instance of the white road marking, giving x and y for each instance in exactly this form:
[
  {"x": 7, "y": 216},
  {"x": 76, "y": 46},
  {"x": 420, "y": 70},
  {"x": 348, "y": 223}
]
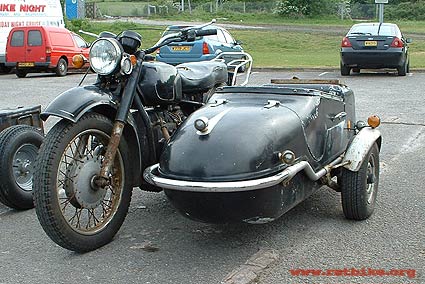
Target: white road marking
[{"x": 324, "y": 73}]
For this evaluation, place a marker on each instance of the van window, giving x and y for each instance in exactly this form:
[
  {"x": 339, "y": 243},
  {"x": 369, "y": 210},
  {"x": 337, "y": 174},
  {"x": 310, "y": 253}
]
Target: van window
[
  {"x": 61, "y": 39},
  {"x": 17, "y": 38},
  {"x": 34, "y": 38}
]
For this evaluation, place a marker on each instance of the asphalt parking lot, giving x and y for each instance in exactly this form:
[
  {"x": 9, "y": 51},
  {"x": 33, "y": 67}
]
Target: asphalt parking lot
[{"x": 157, "y": 245}]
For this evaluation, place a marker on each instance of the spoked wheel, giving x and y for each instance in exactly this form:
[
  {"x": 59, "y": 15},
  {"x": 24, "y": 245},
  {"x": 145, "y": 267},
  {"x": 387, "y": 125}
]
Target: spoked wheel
[
  {"x": 359, "y": 189},
  {"x": 73, "y": 210},
  {"x": 19, "y": 146}
]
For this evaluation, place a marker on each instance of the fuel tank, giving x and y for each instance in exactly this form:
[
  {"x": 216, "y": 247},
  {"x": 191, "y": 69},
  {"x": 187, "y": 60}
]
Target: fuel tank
[{"x": 160, "y": 84}]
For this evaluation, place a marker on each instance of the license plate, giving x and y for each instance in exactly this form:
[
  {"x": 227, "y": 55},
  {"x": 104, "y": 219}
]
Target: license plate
[
  {"x": 371, "y": 43},
  {"x": 26, "y": 64},
  {"x": 181, "y": 48}
]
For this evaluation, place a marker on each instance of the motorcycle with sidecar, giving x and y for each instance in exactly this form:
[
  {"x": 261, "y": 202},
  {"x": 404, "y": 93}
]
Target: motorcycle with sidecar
[{"x": 221, "y": 154}]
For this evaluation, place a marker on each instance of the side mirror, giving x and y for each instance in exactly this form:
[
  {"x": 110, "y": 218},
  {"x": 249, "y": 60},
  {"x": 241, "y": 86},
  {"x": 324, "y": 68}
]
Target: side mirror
[{"x": 409, "y": 40}]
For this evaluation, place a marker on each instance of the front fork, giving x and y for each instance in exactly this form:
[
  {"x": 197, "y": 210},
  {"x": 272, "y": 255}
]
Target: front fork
[{"x": 122, "y": 113}]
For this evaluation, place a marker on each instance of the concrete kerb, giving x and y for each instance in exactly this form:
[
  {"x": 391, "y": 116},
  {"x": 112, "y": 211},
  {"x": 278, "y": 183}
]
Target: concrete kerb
[{"x": 313, "y": 69}]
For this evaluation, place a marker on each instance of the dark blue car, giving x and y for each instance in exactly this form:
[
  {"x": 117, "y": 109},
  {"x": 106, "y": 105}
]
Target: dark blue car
[
  {"x": 374, "y": 46},
  {"x": 203, "y": 48}
]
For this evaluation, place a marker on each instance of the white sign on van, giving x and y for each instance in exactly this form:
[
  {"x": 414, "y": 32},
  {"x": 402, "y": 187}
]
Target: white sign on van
[{"x": 18, "y": 13}]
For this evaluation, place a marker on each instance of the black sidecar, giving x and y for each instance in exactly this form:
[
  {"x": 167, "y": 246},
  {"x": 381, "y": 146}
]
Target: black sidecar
[
  {"x": 253, "y": 153},
  {"x": 20, "y": 139}
]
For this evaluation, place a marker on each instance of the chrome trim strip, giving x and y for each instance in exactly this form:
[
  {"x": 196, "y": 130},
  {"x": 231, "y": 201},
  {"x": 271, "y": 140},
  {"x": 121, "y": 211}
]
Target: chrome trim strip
[{"x": 236, "y": 186}]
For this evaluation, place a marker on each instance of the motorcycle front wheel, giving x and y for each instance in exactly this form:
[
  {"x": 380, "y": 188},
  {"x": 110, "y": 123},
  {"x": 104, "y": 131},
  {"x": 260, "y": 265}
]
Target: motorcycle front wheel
[{"x": 73, "y": 211}]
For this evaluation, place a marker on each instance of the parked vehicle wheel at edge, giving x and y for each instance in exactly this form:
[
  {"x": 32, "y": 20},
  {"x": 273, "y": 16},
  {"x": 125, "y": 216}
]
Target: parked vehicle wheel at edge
[
  {"x": 19, "y": 145},
  {"x": 403, "y": 69},
  {"x": 21, "y": 73},
  {"x": 62, "y": 67},
  {"x": 345, "y": 71},
  {"x": 359, "y": 189},
  {"x": 76, "y": 213}
]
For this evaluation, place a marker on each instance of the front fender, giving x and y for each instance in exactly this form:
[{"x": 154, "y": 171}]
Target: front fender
[
  {"x": 359, "y": 148},
  {"x": 75, "y": 102}
]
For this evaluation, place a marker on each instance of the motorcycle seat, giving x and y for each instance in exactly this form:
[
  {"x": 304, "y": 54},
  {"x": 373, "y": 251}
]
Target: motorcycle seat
[{"x": 201, "y": 76}]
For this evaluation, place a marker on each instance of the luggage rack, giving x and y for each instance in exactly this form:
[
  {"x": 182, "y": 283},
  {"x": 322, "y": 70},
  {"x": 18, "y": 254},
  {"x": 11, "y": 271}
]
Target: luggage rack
[
  {"x": 242, "y": 61},
  {"x": 296, "y": 80}
]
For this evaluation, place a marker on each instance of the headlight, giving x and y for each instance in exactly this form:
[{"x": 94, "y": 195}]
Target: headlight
[{"x": 105, "y": 55}]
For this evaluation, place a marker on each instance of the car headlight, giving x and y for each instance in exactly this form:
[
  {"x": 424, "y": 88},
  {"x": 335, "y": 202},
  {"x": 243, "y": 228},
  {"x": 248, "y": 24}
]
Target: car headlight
[{"x": 105, "y": 55}]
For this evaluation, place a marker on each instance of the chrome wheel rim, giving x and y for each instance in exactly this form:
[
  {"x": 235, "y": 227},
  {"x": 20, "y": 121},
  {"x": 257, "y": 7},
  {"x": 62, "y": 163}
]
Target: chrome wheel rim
[
  {"x": 23, "y": 166},
  {"x": 370, "y": 179},
  {"x": 86, "y": 208}
]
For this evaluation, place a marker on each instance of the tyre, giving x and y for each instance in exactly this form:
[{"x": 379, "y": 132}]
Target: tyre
[
  {"x": 5, "y": 69},
  {"x": 21, "y": 73},
  {"x": 359, "y": 189},
  {"x": 403, "y": 70},
  {"x": 345, "y": 70},
  {"x": 19, "y": 145},
  {"x": 408, "y": 65},
  {"x": 74, "y": 212},
  {"x": 61, "y": 68}
]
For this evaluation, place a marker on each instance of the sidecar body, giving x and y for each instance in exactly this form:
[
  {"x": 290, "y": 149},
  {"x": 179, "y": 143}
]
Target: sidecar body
[{"x": 253, "y": 153}]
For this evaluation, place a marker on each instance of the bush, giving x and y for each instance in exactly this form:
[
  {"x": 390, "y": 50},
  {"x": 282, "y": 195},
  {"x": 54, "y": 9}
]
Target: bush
[
  {"x": 406, "y": 11},
  {"x": 300, "y": 8}
]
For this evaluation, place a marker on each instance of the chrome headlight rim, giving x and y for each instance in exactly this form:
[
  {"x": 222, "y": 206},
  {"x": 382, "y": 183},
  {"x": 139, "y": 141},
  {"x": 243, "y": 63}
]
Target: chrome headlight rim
[
  {"x": 115, "y": 63},
  {"x": 126, "y": 67}
]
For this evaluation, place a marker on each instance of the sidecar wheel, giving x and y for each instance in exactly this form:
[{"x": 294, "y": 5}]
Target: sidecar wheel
[
  {"x": 76, "y": 213},
  {"x": 19, "y": 146},
  {"x": 359, "y": 189}
]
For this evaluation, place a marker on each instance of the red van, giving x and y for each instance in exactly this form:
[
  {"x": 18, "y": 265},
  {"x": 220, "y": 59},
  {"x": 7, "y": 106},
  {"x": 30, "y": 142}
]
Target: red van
[{"x": 42, "y": 48}]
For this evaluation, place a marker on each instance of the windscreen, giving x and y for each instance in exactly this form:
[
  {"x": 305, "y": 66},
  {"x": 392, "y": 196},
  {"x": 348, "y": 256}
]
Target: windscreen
[{"x": 382, "y": 30}]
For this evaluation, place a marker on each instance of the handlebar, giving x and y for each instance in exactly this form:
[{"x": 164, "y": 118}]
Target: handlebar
[{"x": 206, "y": 32}]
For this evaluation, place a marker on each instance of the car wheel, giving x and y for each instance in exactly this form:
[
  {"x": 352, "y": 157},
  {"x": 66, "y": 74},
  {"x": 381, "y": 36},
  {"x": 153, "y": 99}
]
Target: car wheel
[
  {"x": 345, "y": 70},
  {"x": 4, "y": 69},
  {"x": 359, "y": 189},
  {"x": 403, "y": 70},
  {"x": 61, "y": 68},
  {"x": 19, "y": 146},
  {"x": 21, "y": 73}
]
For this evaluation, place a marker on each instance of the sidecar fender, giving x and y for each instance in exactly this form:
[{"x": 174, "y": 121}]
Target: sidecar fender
[
  {"x": 360, "y": 146},
  {"x": 75, "y": 102}
]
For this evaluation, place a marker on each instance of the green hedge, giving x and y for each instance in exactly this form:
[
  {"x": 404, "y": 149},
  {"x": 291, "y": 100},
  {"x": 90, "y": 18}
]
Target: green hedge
[{"x": 406, "y": 11}]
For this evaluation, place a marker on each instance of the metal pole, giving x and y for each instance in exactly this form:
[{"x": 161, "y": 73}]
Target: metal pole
[
  {"x": 182, "y": 6},
  {"x": 381, "y": 13}
]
